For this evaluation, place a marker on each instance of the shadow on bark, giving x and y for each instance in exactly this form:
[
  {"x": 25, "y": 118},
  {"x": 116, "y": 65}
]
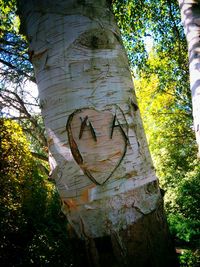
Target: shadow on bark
[{"x": 145, "y": 243}]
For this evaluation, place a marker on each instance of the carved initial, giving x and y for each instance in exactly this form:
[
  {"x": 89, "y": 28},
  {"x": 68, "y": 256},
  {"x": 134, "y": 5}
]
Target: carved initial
[{"x": 85, "y": 122}]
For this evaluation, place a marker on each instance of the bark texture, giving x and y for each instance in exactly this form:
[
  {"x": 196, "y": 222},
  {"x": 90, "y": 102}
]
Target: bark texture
[
  {"x": 98, "y": 151},
  {"x": 190, "y": 15}
]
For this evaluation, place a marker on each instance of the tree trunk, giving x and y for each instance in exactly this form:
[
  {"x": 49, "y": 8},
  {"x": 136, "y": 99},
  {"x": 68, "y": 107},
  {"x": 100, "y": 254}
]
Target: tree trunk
[
  {"x": 190, "y": 16},
  {"x": 98, "y": 151}
]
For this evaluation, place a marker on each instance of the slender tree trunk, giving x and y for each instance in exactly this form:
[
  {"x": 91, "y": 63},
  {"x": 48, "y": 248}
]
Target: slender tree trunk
[
  {"x": 190, "y": 15},
  {"x": 98, "y": 151}
]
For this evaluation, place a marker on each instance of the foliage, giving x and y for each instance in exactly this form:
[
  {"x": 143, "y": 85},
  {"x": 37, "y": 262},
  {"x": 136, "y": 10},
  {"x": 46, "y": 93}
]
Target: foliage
[
  {"x": 33, "y": 229},
  {"x": 13, "y": 47},
  {"x": 167, "y": 121},
  {"x": 189, "y": 258},
  {"x": 159, "y": 19}
]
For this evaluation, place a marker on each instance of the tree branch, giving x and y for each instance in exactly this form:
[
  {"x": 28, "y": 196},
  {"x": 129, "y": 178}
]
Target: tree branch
[
  {"x": 39, "y": 156},
  {"x": 20, "y": 72}
]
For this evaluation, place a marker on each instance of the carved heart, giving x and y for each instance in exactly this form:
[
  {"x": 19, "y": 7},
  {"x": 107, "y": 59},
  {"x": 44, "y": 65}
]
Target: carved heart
[{"x": 98, "y": 142}]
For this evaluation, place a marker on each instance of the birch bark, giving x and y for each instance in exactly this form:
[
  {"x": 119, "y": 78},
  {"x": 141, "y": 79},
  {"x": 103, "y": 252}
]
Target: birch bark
[
  {"x": 97, "y": 148},
  {"x": 190, "y": 16}
]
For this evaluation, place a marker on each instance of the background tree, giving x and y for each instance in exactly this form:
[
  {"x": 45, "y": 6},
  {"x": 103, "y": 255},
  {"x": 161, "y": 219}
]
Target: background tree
[{"x": 190, "y": 13}]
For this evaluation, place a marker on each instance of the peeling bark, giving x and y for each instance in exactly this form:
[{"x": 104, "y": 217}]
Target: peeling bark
[
  {"x": 190, "y": 16},
  {"x": 100, "y": 160}
]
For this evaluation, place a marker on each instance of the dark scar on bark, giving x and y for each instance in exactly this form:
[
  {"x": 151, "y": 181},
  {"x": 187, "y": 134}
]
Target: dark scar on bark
[{"x": 135, "y": 107}]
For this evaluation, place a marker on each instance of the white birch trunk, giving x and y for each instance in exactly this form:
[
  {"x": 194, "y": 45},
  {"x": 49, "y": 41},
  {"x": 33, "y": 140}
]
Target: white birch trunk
[
  {"x": 190, "y": 16},
  {"x": 98, "y": 151}
]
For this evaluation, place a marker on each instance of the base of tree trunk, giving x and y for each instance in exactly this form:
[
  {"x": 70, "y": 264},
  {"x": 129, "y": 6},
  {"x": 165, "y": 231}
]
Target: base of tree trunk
[{"x": 145, "y": 243}]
